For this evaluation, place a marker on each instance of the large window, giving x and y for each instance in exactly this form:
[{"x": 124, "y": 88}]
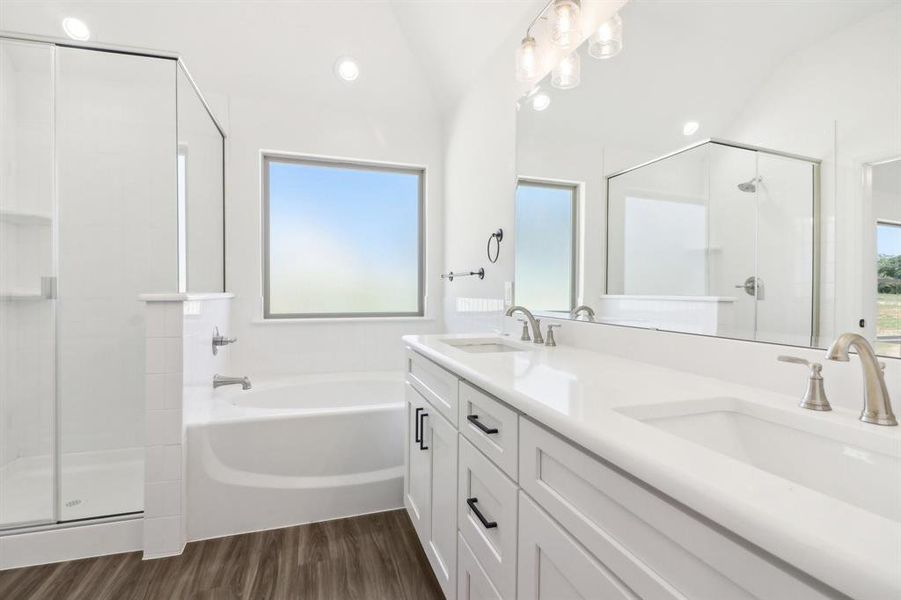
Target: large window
[
  {"x": 341, "y": 239},
  {"x": 545, "y": 245}
]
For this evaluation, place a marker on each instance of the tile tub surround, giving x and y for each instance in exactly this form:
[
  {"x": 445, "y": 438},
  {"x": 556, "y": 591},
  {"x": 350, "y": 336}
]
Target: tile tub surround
[
  {"x": 574, "y": 392},
  {"x": 178, "y": 333}
]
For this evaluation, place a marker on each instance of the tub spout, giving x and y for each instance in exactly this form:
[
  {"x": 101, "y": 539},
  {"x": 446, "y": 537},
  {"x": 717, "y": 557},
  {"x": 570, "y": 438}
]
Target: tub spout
[{"x": 220, "y": 380}]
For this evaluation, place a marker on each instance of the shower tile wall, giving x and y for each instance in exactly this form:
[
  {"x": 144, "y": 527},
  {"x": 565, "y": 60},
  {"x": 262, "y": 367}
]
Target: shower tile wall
[{"x": 163, "y": 473}]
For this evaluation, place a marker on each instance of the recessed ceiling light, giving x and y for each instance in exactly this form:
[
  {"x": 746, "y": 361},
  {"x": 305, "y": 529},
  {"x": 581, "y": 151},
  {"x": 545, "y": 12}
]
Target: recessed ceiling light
[
  {"x": 541, "y": 102},
  {"x": 76, "y": 29},
  {"x": 347, "y": 68},
  {"x": 690, "y": 128}
]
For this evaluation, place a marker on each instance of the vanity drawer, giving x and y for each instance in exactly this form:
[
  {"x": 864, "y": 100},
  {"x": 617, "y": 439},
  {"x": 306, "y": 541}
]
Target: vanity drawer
[
  {"x": 655, "y": 546},
  {"x": 491, "y": 427},
  {"x": 437, "y": 385},
  {"x": 488, "y": 517},
  {"x": 472, "y": 580}
]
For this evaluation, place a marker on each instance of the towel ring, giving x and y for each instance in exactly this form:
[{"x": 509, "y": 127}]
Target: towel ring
[{"x": 498, "y": 236}]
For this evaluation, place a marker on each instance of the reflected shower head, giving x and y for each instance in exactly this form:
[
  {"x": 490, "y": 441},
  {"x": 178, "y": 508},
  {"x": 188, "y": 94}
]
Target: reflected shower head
[{"x": 750, "y": 186}]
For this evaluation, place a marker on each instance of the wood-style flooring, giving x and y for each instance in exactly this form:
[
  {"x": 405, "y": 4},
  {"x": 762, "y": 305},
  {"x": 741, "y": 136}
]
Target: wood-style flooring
[{"x": 371, "y": 557}]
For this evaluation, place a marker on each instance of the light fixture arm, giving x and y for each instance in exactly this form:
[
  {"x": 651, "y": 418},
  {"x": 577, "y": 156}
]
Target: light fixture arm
[{"x": 538, "y": 17}]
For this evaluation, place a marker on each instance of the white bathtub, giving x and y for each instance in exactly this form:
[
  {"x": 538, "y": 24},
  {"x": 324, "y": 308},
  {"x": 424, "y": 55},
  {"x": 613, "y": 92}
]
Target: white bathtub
[{"x": 293, "y": 451}]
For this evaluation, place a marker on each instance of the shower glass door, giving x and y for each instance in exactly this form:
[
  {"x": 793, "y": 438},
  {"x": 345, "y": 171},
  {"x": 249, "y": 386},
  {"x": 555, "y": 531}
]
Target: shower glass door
[{"x": 28, "y": 226}]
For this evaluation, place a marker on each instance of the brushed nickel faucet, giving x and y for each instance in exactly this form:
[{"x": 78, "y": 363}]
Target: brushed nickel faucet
[
  {"x": 877, "y": 406},
  {"x": 537, "y": 338},
  {"x": 220, "y": 380},
  {"x": 582, "y": 308}
]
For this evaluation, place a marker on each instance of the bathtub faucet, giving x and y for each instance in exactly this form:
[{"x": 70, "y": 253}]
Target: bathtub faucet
[{"x": 220, "y": 380}]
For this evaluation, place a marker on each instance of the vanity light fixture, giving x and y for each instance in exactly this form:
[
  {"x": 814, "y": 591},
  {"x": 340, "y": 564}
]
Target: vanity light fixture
[
  {"x": 540, "y": 101},
  {"x": 527, "y": 59},
  {"x": 567, "y": 74},
  {"x": 563, "y": 22},
  {"x": 76, "y": 29},
  {"x": 347, "y": 69},
  {"x": 607, "y": 40},
  {"x": 690, "y": 128}
]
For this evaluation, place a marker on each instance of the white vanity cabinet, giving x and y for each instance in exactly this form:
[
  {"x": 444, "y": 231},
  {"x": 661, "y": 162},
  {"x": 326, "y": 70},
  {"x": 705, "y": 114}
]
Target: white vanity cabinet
[{"x": 507, "y": 509}]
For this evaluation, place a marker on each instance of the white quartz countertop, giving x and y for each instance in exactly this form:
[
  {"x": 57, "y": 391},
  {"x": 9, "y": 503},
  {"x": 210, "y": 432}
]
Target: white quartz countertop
[{"x": 574, "y": 392}]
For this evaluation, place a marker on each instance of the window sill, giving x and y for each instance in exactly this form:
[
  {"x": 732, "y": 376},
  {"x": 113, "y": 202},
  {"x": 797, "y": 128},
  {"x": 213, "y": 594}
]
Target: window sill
[{"x": 335, "y": 320}]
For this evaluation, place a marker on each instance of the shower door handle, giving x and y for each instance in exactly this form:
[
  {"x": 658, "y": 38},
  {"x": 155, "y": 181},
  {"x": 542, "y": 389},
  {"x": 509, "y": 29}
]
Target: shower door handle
[
  {"x": 753, "y": 286},
  {"x": 48, "y": 288}
]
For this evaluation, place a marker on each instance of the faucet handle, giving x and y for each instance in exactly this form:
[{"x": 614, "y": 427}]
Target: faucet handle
[
  {"x": 525, "y": 331},
  {"x": 793, "y": 359},
  {"x": 815, "y": 396},
  {"x": 550, "y": 341}
]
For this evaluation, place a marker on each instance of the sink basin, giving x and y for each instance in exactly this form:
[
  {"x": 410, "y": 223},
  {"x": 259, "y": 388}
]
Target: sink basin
[
  {"x": 842, "y": 460},
  {"x": 483, "y": 346}
]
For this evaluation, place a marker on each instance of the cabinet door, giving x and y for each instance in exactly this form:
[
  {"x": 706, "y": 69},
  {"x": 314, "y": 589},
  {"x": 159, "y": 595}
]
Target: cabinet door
[
  {"x": 473, "y": 582},
  {"x": 553, "y": 566},
  {"x": 441, "y": 438},
  {"x": 417, "y": 462}
]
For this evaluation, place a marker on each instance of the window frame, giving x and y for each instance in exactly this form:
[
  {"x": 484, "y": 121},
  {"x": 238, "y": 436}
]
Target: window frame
[
  {"x": 268, "y": 157},
  {"x": 575, "y": 188}
]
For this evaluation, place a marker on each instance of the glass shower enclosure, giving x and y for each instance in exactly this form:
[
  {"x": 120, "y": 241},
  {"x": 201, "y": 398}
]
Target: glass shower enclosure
[
  {"x": 111, "y": 185},
  {"x": 721, "y": 224}
]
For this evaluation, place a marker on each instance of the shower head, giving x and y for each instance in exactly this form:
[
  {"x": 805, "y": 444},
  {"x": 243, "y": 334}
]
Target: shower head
[{"x": 750, "y": 186}]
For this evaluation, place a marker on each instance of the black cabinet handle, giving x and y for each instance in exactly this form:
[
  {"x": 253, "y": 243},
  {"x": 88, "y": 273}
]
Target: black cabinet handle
[
  {"x": 485, "y": 522},
  {"x": 474, "y": 419},
  {"x": 417, "y": 436},
  {"x": 421, "y": 439}
]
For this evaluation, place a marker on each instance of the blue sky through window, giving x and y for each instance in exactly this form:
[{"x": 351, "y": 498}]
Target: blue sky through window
[{"x": 342, "y": 240}]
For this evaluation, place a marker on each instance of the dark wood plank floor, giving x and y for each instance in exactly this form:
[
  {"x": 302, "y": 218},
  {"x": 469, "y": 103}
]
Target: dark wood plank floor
[{"x": 368, "y": 558}]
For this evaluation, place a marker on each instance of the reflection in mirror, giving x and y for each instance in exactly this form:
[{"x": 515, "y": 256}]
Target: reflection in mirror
[
  {"x": 545, "y": 244},
  {"x": 884, "y": 180},
  {"x": 722, "y": 186},
  {"x": 717, "y": 240}
]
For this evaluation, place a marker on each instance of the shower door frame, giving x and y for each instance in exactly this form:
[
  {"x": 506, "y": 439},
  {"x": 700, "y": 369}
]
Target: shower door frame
[{"x": 816, "y": 165}]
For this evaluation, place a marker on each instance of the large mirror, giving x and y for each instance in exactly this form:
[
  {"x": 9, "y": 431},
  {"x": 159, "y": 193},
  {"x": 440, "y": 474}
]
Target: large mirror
[{"x": 734, "y": 171}]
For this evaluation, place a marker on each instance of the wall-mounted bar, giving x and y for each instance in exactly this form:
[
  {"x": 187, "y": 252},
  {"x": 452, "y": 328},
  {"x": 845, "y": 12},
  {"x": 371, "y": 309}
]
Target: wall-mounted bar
[{"x": 450, "y": 275}]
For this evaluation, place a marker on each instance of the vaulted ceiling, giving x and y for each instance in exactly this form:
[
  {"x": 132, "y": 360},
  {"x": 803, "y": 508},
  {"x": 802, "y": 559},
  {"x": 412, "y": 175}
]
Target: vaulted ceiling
[{"x": 411, "y": 52}]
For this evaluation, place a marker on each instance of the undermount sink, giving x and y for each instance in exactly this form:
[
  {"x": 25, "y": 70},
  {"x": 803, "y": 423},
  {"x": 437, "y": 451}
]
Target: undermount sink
[
  {"x": 838, "y": 459},
  {"x": 483, "y": 346}
]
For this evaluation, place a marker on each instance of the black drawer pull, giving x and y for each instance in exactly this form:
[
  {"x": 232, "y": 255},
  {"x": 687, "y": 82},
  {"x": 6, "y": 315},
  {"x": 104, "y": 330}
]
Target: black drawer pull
[
  {"x": 421, "y": 439},
  {"x": 485, "y": 522},
  {"x": 417, "y": 436},
  {"x": 474, "y": 419}
]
